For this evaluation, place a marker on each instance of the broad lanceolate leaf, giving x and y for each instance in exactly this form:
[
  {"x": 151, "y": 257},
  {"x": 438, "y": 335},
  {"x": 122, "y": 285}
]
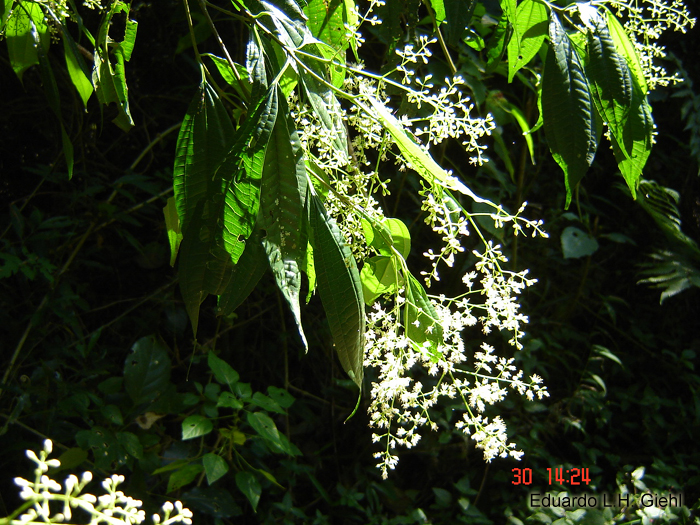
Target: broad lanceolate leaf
[
  {"x": 80, "y": 74},
  {"x": 529, "y": 31},
  {"x": 147, "y": 370},
  {"x": 242, "y": 278},
  {"x": 223, "y": 372},
  {"x": 633, "y": 152},
  {"x": 421, "y": 320},
  {"x": 24, "y": 25},
  {"x": 284, "y": 189},
  {"x": 567, "y": 108},
  {"x": 626, "y": 48},
  {"x": 341, "y": 290},
  {"x": 609, "y": 78},
  {"x": 110, "y": 79}
]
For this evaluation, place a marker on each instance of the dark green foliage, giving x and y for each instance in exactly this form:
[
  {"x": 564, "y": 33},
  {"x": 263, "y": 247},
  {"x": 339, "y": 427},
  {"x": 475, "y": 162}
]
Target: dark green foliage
[{"x": 98, "y": 354}]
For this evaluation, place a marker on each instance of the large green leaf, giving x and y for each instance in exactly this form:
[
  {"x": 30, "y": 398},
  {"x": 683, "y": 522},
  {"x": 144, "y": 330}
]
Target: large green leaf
[
  {"x": 110, "y": 79},
  {"x": 147, "y": 370},
  {"x": 205, "y": 135},
  {"x": 244, "y": 276},
  {"x": 284, "y": 189},
  {"x": 626, "y": 48},
  {"x": 567, "y": 108},
  {"x": 77, "y": 69},
  {"x": 633, "y": 152},
  {"x": 341, "y": 290},
  {"x": 609, "y": 78},
  {"x": 25, "y": 25},
  {"x": 529, "y": 31}
]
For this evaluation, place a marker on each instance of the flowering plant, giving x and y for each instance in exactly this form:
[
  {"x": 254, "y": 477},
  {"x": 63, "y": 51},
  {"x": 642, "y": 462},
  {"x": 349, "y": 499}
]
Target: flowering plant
[{"x": 112, "y": 508}]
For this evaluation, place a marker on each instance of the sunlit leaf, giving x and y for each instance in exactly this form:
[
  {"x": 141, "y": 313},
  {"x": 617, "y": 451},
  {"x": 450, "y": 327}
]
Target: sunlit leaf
[
  {"x": 529, "y": 31},
  {"x": 421, "y": 321},
  {"x": 196, "y": 426}
]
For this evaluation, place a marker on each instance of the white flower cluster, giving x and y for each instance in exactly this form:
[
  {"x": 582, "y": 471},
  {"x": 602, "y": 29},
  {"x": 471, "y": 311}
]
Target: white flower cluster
[
  {"x": 645, "y": 22},
  {"x": 113, "y": 507}
]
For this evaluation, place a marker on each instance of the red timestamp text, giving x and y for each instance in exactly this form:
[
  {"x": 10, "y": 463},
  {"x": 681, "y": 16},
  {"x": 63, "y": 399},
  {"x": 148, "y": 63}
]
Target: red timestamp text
[{"x": 558, "y": 475}]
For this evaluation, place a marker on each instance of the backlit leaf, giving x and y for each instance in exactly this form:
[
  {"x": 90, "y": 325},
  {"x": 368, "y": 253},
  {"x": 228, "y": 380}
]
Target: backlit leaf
[
  {"x": 421, "y": 320},
  {"x": 25, "y": 24},
  {"x": 633, "y": 152},
  {"x": 529, "y": 31}
]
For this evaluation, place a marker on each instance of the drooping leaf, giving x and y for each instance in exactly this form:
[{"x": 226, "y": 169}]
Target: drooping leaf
[
  {"x": 248, "y": 484},
  {"x": 196, "y": 426},
  {"x": 626, "y": 48},
  {"x": 610, "y": 80},
  {"x": 5, "y": 12},
  {"x": 529, "y": 31},
  {"x": 567, "y": 108},
  {"x": 25, "y": 26},
  {"x": 284, "y": 188},
  {"x": 496, "y": 45},
  {"x": 147, "y": 370},
  {"x": 215, "y": 467},
  {"x": 77, "y": 69},
  {"x": 633, "y": 152},
  {"x": 110, "y": 79},
  {"x": 244, "y": 276},
  {"x": 341, "y": 290}
]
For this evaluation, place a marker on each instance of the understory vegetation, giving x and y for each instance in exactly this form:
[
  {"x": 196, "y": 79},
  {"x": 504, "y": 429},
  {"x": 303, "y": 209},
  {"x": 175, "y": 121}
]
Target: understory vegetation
[{"x": 342, "y": 261}]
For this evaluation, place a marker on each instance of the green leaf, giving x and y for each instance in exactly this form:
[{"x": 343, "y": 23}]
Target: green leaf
[
  {"x": 147, "y": 370},
  {"x": 215, "y": 467},
  {"x": 182, "y": 477},
  {"x": 243, "y": 86},
  {"x": 576, "y": 243},
  {"x": 248, "y": 484},
  {"x": 223, "y": 372},
  {"x": 131, "y": 444},
  {"x": 633, "y": 152},
  {"x": 379, "y": 275},
  {"x": 610, "y": 80},
  {"x": 421, "y": 321},
  {"x": 196, "y": 426},
  {"x": 420, "y": 161},
  {"x": 25, "y": 27},
  {"x": 284, "y": 188},
  {"x": 496, "y": 46},
  {"x": 281, "y": 396},
  {"x": 529, "y": 31},
  {"x": 458, "y": 14},
  {"x": 172, "y": 225},
  {"x": 264, "y": 402},
  {"x": 5, "y": 12},
  {"x": 341, "y": 290},
  {"x": 266, "y": 429},
  {"x": 77, "y": 69},
  {"x": 228, "y": 400},
  {"x": 567, "y": 109},
  {"x": 110, "y": 79},
  {"x": 244, "y": 276},
  {"x": 112, "y": 414},
  {"x": 72, "y": 458},
  {"x": 626, "y": 48}
]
